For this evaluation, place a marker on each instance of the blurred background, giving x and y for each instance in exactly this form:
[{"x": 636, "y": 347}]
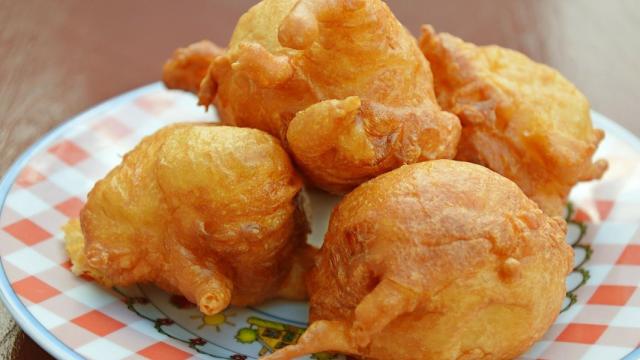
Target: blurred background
[{"x": 59, "y": 57}]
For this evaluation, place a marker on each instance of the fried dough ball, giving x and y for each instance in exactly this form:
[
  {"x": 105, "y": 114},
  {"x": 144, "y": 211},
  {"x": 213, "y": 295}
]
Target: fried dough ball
[
  {"x": 519, "y": 118},
  {"x": 341, "y": 82},
  {"x": 210, "y": 212},
  {"x": 436, "y": 260}
]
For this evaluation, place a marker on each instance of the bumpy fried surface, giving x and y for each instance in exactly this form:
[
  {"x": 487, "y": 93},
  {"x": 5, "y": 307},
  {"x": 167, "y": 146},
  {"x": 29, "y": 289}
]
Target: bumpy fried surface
[
  {"x": 210, "y": 212},
  {"x": 341, "y": 82},
  {"x": 436, "y": 260},
  {"x": 519, "y": 118},
  {"x": 188, "y": 66}
]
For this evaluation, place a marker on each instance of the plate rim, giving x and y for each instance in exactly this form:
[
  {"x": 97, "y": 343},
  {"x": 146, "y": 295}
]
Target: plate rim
[{"x": 18, "y": 310}]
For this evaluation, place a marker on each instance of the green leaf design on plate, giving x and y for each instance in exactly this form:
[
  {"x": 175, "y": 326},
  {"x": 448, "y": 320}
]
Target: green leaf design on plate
[{"x": 579, "y": 268}]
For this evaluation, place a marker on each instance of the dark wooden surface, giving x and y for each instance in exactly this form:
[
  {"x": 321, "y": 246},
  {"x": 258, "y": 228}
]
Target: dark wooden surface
[{"x": 60, "y": 57}]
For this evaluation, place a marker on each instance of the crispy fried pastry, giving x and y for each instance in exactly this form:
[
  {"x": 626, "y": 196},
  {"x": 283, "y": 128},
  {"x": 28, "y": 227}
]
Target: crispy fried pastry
[
  {"x": 436, "y": 260},
  {"x": 341, "y": 82},
  {"x": 210, "y": 212},
  {"x": 188, "y": 66},
  {"x": 519, "y": 118}
]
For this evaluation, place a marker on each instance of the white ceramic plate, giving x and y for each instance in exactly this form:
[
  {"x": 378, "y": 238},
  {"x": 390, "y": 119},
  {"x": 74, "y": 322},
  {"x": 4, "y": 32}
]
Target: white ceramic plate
[{"x": 74, "y": 318}]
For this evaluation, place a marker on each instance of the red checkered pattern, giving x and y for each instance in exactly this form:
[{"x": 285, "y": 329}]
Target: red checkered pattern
[{"x": 52, "y": 187}]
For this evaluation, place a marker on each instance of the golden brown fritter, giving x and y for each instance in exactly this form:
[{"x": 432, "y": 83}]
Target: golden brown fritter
[
  {"x": 519, "y": 118},
  {"x": 210, "y": 212},
  {"x": 341, "y": 82},
  {"x": 188, "y": 66},
  {"x": 436, "y": 260}
]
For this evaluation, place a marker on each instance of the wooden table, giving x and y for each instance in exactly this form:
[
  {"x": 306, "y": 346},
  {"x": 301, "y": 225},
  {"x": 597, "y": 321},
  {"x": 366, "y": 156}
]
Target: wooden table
[{"x": 61, "y": 57}]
